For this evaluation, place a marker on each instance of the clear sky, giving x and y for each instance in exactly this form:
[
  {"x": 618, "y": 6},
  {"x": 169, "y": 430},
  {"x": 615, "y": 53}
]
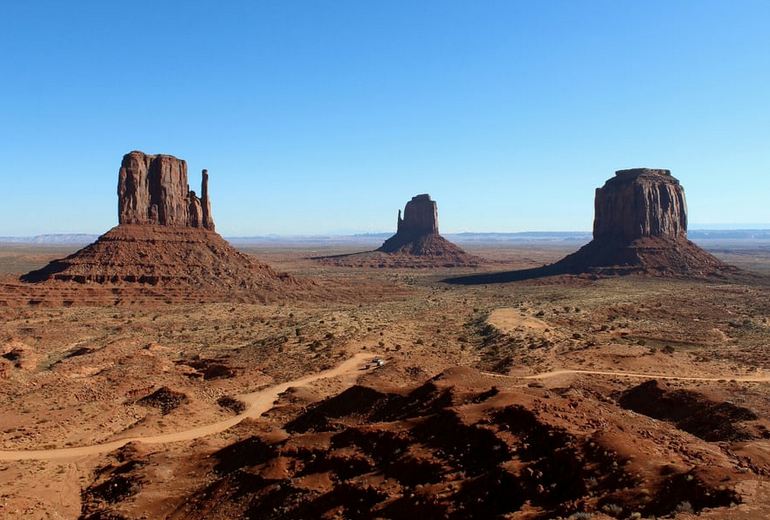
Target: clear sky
[{"x": 324, "y": 116}]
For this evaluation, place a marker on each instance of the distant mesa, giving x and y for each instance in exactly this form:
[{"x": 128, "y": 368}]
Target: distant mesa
[
  {"x": 165, "y": 239},
  {"x": 420, "y": 220},
  {"x": 640, "y": 226},
  {"x": 417, "y": 243}
]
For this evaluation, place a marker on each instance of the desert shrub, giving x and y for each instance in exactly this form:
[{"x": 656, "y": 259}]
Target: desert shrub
[
  {"x": 230, "y": 403},
  {"x": 612, "y": 509}
]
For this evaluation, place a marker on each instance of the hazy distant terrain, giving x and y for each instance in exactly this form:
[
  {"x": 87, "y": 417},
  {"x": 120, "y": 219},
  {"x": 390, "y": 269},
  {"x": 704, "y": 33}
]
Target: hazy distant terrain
[{"x": 373, "y": 239}]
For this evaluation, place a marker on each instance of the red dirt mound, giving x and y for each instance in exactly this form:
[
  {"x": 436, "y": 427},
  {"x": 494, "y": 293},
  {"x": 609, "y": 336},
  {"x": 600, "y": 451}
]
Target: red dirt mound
[
  {"x": 164, "y": 399},
  {"x": 658, "y": 256},
  {"x": 161, "y": 255},
  {"x": 691, "y": 411},
  {"x": 134, "y": 263},
  {"x": 457, "y": 448}
]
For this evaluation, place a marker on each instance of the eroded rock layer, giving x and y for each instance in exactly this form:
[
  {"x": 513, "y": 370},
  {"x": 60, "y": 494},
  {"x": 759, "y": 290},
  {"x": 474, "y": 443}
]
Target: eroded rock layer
[
  {"x": 153, "y": 189},
  {"x": 639, "y": 203},
  {"x": 166, "y": 241},
  {"x": 416, "y": 244},
  {"x": 455, "y": 447},
  {"x": 160, "y": 255},
  {"x": 641, "y": 226}
]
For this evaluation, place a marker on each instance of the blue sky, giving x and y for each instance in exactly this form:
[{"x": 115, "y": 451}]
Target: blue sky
[{"x": 327, "y": 116}]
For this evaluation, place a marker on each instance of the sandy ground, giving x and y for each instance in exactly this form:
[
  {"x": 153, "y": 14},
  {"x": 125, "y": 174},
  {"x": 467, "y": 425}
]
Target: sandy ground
[
  {"x": 74, "y": 378},
  {"x": 256, "y": 403}
]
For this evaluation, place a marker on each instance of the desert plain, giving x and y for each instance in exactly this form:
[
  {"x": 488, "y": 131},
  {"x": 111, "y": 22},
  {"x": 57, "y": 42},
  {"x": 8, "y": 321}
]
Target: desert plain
[{"x": 569, "y": 396}]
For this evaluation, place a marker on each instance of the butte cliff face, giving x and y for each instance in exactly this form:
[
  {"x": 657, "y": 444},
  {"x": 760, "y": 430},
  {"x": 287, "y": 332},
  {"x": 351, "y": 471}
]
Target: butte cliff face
[
  {"x": 153, "y": 189},
  {"x": 417, "y": 236},
  {"x": 640, "y": 225},
  {"x": 416, "y": 244},
  {"x": 418, "y": 226},
  {"x": 165, "y": 239},
  {"x": 640, "y": 203},
  {"x": 420, "y": 217}
]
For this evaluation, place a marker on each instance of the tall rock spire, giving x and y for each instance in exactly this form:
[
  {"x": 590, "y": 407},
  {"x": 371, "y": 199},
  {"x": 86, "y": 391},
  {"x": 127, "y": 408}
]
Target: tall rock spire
[
  {"x": 208, "y": 221},
  {"x": 420, "y": 220}
]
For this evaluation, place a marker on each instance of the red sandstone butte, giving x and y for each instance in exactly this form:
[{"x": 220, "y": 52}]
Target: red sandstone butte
[
  {"x": 417, "y": 235},
  {"x": 165, "y": 238},
  {"x": 153, "y": 189},
  {"x": 641, "y": 225}
]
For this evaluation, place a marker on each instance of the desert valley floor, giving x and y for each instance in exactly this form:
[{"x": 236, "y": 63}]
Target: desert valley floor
[{"x": 561, "y": 397}]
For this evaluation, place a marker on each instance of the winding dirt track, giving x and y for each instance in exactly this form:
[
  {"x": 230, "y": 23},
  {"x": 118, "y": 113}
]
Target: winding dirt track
[
  {"x": 257, "y": 403},
  {"x": 261, "y": 401},
  {"x": 566, "y": 372}
]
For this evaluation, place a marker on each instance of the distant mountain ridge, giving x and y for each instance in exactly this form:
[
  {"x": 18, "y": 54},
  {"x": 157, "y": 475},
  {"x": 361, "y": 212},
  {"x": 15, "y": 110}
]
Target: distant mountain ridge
[
  {"x": 52, "y": 239},
  {"x": 376, "y": 238}
]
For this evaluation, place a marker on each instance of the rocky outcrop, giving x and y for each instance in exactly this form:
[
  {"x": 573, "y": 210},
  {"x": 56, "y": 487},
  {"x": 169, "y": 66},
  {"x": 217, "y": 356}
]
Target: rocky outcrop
[
  {"x": 419, "y": 225},
  {"x": 641, "y": 226},
  {"x": 416, "y": 244},
  {"x": 166, "y": 243},
  {"x": 420, "y": 217},
  {"x": 153, "y": 189},
  {"x": 417, "y": 236},
  {"x": 208, "y": 220},
  {"x": 638, "y": 203}
]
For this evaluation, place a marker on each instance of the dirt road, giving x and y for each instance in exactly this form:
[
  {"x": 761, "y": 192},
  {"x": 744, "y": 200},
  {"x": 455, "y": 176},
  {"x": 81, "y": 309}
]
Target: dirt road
[
  {"x": 636, "y": 375},
  {"x": 261, "y": 401},
  {"x": 257, "y": 403}
]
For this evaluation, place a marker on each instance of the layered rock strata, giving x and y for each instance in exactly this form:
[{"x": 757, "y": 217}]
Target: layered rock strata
[
  {"x": 417, "y": 235},
  {"x": 639, "y": 203},
  {"x": 165, "y": 239},
  {"x": 641, "y": 225},
  {"x": 153, "y": 189},
  {"x": 416, "y": 244}
]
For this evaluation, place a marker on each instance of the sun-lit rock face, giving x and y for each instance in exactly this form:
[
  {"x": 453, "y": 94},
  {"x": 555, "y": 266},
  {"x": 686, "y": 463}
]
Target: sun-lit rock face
[
  {"x": 639, "y": 203},
  {"x": 640, "y": 225},
  {"x": 417, "y": 237},
  {"x": 165, "y": 241},
  {"x": 153, "y": 189}
]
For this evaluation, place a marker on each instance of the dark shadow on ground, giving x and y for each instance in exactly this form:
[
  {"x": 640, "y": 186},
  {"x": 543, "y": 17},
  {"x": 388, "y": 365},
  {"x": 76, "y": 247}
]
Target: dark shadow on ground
[
  {"x": 729, "y": 274},
  {"x": 343, "y": 255},
  {"x": 44, "y": 273},
  {"x": 510, "y": 276}
]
